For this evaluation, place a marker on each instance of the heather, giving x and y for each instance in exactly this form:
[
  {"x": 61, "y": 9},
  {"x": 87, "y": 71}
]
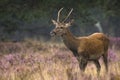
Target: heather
[{"x": 40, "y": 60}]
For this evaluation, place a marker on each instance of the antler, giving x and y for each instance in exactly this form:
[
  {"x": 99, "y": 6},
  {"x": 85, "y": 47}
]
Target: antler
[
  {"x": 59, "y": 15},
  {"x": 68, "y": 15}
]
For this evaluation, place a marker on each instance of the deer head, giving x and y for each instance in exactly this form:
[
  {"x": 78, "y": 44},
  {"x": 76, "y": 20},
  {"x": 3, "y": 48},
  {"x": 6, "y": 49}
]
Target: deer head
[{"x": 60, "y": 27}]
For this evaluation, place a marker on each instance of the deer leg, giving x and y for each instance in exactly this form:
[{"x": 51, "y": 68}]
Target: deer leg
[
  {"x": 105, "y": 61},
  {"x": 75, "y": 53},
  {"x": 97, "y": 65},
  {"x": 83, "y": 64}
]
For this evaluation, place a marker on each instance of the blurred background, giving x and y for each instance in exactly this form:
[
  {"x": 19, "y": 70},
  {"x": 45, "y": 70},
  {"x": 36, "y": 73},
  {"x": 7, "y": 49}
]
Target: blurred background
[{"x": 21, "y": 19}]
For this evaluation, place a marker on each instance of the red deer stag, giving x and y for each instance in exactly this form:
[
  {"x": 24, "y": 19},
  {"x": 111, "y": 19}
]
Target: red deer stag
[{"x": 85, "y": 49}]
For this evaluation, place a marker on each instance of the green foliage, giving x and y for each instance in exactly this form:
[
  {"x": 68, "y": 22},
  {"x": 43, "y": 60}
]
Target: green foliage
[
  {"x": 22, "y": 6},
  {"x": 32, "y": 9},
  {"x": 14, "y": 13}
]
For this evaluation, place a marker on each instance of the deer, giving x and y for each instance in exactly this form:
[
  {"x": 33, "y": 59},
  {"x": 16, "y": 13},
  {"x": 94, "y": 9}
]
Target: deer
[{"x": 85, "y": 48}]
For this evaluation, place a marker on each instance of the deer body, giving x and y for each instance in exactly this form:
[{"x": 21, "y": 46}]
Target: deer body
[
  {"x": 78, "y": 45},
  {"x": 89, "y": 48}
]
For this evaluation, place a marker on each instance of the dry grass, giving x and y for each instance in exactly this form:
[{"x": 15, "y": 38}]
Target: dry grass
[{"x": 35, "y": 60}]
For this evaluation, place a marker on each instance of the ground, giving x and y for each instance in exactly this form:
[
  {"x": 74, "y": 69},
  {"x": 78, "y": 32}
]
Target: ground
[{"x": 39, "y": 60}]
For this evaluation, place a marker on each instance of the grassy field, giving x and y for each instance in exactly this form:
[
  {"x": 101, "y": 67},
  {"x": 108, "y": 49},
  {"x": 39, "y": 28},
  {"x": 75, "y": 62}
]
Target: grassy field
[{"x": 37, "y": 60}]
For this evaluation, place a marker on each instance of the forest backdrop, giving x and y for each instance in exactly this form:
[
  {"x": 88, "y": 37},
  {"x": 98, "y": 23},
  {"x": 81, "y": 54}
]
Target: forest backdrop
[{"x": 20, "y": 19}]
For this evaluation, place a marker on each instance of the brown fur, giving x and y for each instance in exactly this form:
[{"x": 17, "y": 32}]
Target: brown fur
[{"x": 89, "y": 48}]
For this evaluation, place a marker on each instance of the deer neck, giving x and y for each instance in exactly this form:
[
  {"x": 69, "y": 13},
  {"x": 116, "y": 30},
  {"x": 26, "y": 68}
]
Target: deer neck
[{"x": 70, "y": 40}]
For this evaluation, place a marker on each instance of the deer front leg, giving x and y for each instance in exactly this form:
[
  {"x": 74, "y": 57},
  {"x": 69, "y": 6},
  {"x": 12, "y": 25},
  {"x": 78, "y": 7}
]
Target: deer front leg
[
  {"x": 82, "y": 63},
  {"x": 82, "y": 58}
]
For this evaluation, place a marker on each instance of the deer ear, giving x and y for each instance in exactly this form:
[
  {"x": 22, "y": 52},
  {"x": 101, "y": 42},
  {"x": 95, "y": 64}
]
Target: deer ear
[
  {"x": 54, "y": 22},
  {"x": 69, "y": 23}
]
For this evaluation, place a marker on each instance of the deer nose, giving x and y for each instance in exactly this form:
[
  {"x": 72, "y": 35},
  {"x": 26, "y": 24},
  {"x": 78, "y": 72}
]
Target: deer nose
[{"x": 52, "y": 33}]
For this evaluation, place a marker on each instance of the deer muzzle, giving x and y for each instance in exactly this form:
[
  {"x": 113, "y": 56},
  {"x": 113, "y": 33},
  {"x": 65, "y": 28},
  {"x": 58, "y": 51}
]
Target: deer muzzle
[{"x": 52, "y": 33}]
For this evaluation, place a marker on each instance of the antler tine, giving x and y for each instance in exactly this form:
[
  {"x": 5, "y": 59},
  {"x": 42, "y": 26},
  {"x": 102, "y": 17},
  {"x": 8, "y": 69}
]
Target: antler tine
[
  {"x": 68, "y": 15},
  {"x": 59, "y": 15}
]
